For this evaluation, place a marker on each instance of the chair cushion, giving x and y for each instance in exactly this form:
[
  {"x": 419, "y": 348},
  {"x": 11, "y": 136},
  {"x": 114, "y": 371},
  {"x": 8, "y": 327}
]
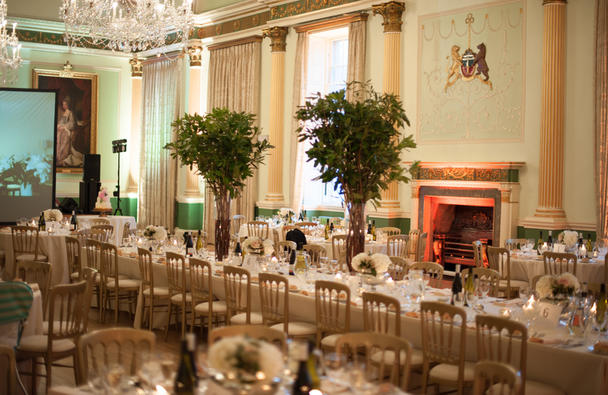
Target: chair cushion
[
  {"x": 297, "y": 328},
  {"x": 241, "y": 319},
  {"x": 124, "y": 284},
  {"x": 416, "y": 357},
  {"x": 218, "y": 307},
  {"x": 538, "y": 388},
  {"x": 38, "y": 343},
  {"x": 30, "y": 257},
  {"x": 158, "y": 291},
  {"x": 447, "y": 372},
  {"x": 329, "y": 341},
  {"x": 177, "y": 298}
]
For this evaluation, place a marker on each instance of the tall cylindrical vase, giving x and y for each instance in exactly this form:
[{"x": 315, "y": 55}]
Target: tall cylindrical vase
[
  {"x": 355, "y": 240},
  {"x": 222, "y": 226}
]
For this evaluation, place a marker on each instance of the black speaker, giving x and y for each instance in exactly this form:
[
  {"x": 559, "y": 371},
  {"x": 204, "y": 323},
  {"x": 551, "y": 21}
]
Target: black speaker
[
  {"x": 91, "y": 167},
  {"x": 88, "y": 195}
]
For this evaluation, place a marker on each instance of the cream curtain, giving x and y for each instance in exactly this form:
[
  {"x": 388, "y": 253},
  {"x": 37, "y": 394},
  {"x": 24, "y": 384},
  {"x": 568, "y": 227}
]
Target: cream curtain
[
  {"x": 163, "y": 91},
  {"x": 356, "y": 51},
  {"x": 297, "y": 149},
  {"x": 601, "y": 118},
  {"x": 234, "y": 82}
]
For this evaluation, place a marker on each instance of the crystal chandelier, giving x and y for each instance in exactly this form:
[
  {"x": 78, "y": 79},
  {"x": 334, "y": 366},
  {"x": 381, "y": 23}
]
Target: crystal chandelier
[
  {"x": 10, "y": 58},
  {"x": 126, "y": 25}
]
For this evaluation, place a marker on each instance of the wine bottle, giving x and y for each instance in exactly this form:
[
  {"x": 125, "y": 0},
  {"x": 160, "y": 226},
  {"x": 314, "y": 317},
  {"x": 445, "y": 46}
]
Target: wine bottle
[
  {"x": 331, "y": 227},
  {"x": 369, "y": 227},
  {"x": 237, "y": 249},
  {"x": 311, "y": 364},
  {"x": 186, "y": 380},
  {"x": 327, "y": 230},
  {"x": 540, "y": 241},
  {"x": 550, "y": 241},
  {"x": 41, "y": 222},
  {"x": 469, "y": 287},
  {"x": 374, "y": 230},
  {"x": 456, "y": 287},
  {"x": 74, "y": 222},
  {"x": 601, "y": 305},
  {"x": 589, "y": 245},
  {"x": 303, "y": 383},
  {"x": 199, "y": 242},
  {"x": 189, "y": 244},
  {"x": 301, "y": 217}
]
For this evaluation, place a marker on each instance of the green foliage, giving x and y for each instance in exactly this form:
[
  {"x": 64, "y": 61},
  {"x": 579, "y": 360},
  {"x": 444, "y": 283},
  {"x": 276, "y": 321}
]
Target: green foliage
[
  {"x": 356, "y": 142},
  {"x": 223, "y": 146}
]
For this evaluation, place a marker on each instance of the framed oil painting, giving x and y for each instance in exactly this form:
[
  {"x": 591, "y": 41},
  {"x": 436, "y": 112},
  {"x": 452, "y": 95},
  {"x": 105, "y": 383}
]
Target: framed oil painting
[{"x": 76, "y": 115}]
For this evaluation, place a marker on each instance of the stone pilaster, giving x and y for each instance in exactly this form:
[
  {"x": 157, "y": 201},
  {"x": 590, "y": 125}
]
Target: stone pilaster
[
  {"x": 191, "y": 189},
  {"x": 135, "y": 135},
  {"x": 274, "y": 194},
  {"x": 392, "y": 13}
]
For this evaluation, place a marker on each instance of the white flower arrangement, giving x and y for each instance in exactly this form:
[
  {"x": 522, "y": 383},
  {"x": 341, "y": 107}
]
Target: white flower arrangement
[
  {"x": 155, "y": 232},
  {"x": 372, "y": 264},
  {"x": 53, "y": 215},
  {"x": 245, "y": 359},
  {"x": 286, "y": 213},
  {"x": 566, "y": 284},
  {"x": 569, "y": 237},
  {"x": 255, "y": 245}
]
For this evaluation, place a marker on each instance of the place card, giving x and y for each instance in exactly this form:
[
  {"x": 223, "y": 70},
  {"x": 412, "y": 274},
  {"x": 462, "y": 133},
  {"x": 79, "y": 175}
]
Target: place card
[{"x": 548, "y": 314}]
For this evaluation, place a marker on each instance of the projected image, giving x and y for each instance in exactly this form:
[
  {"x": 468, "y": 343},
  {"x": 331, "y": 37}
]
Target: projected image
[{"x": 27, "y": 174}]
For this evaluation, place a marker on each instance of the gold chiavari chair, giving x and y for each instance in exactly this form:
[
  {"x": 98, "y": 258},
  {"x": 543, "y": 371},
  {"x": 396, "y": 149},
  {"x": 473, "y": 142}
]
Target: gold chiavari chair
[
  {"x": 378, "y": 344},
  {"x": 399, "y": 268},
  {"x": 113, "y": 287},
  {"x": 515, "y": 244},
  {"x": 287, "y": 228},
  {"x": 92, "y": 250},
  {"x": 25, "y": 246},
  {"x": 39, "y": 273},
  {"x": 259, "y": 332},
  {"x": 421, "y": 247},
  {"x": 72, "y": 247},
  {"x": 7, "y": 359},
  {"x": 179, "y": 297},
  {"x": 258, "y": 229},
  {"x": 155, "y": 297},
  {"x": 203, "y": 301},
  {"x": 434, "y": 270},
  {"x": 444, "y": 344},
  {"x": 237, "y": 289},
  {"x": 497, "y": 339},
  {"x": 332, "y": 311},
  {"x": 338, "y": 249},
  {"x": 412, "y": 244},
  {"x": 100, "y": 221},
  {"x": 495, "y": 378},
  {"x": 284, "y": 248},
  {"x": 397, "y": 245},
  {"x": 557, "y": 263},
  {"x": 499, "y": 259},
  {"x": 127, "y": 232},
  {"x": 381, "y": 313},
  {"x": 274, "y": 300},
  {"x": 104, "y": 348},
  {"x": 389, "y": 231},
  {"x": 315, "y": 252},
  {"x": 306, "y": 227},
  {"x": 102, "y": 233},
  {"x": 478, "y": 253}
]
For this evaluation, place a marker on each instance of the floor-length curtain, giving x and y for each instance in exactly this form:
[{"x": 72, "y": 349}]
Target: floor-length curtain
[
  {"x": 601, "y": 118},
  {"x": 234, "y": 82},
  {"x": 297, "y": 149},
  {"x": 163, "y": 90},
  {"x": 356, "y": 51}
]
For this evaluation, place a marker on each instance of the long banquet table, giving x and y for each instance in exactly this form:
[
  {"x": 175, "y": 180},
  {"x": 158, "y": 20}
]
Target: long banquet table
[{"x": 575, "y": 370}]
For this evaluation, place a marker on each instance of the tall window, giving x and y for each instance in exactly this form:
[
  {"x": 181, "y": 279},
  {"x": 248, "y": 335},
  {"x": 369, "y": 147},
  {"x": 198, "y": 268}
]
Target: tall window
[{"x": 327, "y": 69}]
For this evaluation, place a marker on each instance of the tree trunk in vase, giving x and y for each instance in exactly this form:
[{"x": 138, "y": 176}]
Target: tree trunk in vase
[
  {"x": 355, "y": 240},
  {"x": 222, "y": 226}
]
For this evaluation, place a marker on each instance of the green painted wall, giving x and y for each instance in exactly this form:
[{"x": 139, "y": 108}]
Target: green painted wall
[
  {"x": 530, "y": 233},
  {"x": 189, "y": 215}
]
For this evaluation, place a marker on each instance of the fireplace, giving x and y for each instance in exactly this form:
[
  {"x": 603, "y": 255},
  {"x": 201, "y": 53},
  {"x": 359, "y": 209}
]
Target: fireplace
[{"x": 458, "y": 203}]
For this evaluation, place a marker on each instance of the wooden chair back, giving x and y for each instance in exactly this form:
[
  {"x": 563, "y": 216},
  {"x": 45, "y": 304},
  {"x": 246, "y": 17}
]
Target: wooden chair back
[
  {"x": 332, "y": 308},
  {"x": 397, "y": 245},
  {"x": 478, "y": 253},
  {"x": 499, "y": 259},
  {"x": 421, "y": 247},
  {"x": 338, "y": 249},
  {"x": 7, "y": 359},
  {"x": 109, "y": 264},
  {"x": 412, "y": 244},
  {"x": 201, "y": 281},
  {"x": 389, "y": 231},
  {"x": 258, "y": 229},
  {"x": 434, "y": 270},
  {"x": 25, "y": 240},
  {"x": 72, "y": 247},
  {"x": 515, "y": 244},
  {"x": 176, "y": 273},
  {"x": 105, "y": 228},
  {"x": 98, "y": 234},
  {"x": 67, "y": 311},
  {"x": 100, "y": 221},
  {"x": 90, "y": 276},
  {"x": 360, "y": 346},
  {"x": 557, "y": 263},
  {"x": 307, "y": 227},
  {"x": 495, "y": 378},
  {"x": 274, "y": 299},
  {"x": 103, "y": 348},
  {"x": 381, "y": 313},
  {"x": 399, "y": 268},
  {"x": 259, "y": 332},
  {"x": 237, "y": 292},
  {"x": 39, "y": 273},
  {"x": 146, "y": 270},
  {"x": 285, "y": 247},
  {"x": 491, "y": 276},
  {"x": 91, "y": 249},
  {"x": 315, "y": 252}
]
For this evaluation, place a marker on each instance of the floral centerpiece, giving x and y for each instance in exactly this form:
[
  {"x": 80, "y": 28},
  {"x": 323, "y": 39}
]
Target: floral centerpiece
[
  {"x": 286, "y": 214},
  {"x": 244, "y": 360},
  {"x": 371, "y": 264},
  {"x": 53, "y": 215},
  {"x": 257, "y": 246},
  {"x": 157, "y": 233},
  {"x": 103, "y": 199},
  {"x": 557, "y": 287},
  {"x": 569, "y": 238}
]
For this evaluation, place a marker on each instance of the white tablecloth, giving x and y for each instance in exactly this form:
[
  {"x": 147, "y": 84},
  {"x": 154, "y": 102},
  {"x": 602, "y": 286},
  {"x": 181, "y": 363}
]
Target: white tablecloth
[
  {"x": 52, "y": 246},
  {"x": 117, "y": 221},
  {"x": 525, "y": 268}
]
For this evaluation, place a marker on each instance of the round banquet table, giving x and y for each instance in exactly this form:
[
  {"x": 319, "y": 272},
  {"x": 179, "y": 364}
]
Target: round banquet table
[
  {"x": 117, "y": 221},
  {"x": 50, "y": 245},
  {"x": 525, "y": 267}
]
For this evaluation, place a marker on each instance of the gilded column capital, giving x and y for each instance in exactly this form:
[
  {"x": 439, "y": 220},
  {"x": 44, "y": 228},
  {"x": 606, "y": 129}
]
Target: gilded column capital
[
  {"x": 137, "y": 68},
  {"x": 194, "y": 53},
  {"x": 277, "y": 36},
  {"x": 558, "y": 2},
  {"x": 392, "y": 13}
]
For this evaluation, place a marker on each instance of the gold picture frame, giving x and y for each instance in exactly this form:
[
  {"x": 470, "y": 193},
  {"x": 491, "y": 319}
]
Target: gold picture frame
[{"x": 76, "y": 114}]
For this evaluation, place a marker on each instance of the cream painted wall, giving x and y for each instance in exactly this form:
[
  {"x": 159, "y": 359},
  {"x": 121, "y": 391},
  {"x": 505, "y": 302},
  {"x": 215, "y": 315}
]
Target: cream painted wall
[
  {"x": 114, "y": 102},
  {"x": 579, "y": 198}
]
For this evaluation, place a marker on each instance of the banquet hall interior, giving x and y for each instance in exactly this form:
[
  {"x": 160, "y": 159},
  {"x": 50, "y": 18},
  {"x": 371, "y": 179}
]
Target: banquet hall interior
[{"x": 303, "y": 196}]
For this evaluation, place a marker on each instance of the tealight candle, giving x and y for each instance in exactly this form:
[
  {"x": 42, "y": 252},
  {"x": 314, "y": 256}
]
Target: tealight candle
[
  {"x": 339, "y": 276},
  {"x": 505, "y": 312},
  {"x": 390, "y": 283}
]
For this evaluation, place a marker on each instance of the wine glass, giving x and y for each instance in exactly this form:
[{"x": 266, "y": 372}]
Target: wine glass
[{"x": 484, "y": 289}]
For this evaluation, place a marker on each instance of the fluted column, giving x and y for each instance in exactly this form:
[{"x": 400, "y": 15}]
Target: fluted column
[
  {"x": 551, "y": 166},
  {"x": 392, "y": 13},
  {"x": 194, "y": 106},
  {"x": 277, "y": 106},
  {"x": 135, "y": 135}
]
